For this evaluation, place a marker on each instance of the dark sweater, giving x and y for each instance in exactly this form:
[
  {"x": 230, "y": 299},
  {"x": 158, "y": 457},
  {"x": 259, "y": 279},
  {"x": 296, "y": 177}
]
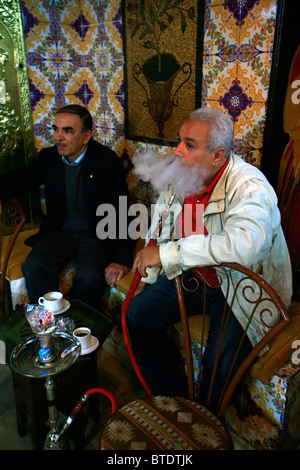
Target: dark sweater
[{"x": 75, "y": 220}]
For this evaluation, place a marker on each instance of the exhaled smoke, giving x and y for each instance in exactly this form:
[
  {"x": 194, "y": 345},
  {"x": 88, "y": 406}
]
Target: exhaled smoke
[{"x": 167, "y": 170}]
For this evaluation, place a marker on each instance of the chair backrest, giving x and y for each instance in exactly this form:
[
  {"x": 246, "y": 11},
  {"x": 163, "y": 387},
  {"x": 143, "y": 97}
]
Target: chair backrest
[
  {"x": 242, "y": 288},
  {"x": 12, "y": 221}
]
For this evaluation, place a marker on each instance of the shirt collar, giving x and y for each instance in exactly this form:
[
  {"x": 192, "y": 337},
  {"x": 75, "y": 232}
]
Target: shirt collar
[
  {"x": 211, "y": 186},
  {"x": 77, "y": 161}
]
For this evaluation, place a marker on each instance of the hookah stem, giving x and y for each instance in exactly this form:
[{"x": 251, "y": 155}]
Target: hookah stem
[
  {"x": 133, "y": 286},
  {"x": 78, "y": 407}
]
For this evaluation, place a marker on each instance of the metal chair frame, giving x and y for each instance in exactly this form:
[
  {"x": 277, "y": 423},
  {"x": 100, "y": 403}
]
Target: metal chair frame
[
  {"x": 12, "y": 220},
  {"x": 263, "y": 303}
]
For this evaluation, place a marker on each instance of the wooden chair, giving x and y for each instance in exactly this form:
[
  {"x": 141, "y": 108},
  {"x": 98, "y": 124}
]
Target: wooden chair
[
  {"x": 11, "y": 223},
  {"x": 177, "y": 423}
]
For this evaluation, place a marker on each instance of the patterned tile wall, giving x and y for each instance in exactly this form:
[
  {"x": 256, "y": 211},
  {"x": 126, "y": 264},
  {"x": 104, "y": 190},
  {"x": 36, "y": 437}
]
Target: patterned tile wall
[
  {"x": 75, "y": 54},
  {"x": 237, "y": 61}
]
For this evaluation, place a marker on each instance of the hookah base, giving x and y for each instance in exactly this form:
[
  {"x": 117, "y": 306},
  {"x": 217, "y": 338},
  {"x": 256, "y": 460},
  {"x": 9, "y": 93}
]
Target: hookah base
[
  {"x": 54, "y": 441},
  {"x": 26, "y": 360}
]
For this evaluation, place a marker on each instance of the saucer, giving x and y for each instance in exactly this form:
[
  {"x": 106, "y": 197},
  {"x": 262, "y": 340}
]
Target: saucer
[
  {"x": 94, "y": 345},
  {"x": 64, "y": 309}
]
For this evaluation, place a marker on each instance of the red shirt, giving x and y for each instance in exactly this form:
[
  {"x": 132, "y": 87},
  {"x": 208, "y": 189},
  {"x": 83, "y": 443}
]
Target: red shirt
[{"x": 190, "y": 220}]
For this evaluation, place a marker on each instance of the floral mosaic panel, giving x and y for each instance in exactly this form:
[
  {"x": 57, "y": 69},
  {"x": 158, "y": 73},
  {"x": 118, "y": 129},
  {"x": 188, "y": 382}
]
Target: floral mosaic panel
[
  {"x": 74, "y": 54},
  {"x": 237, "y": 57}
]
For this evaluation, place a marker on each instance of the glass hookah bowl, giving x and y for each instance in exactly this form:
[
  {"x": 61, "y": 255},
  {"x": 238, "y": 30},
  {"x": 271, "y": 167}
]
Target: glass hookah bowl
[{"x": 43, "y": 325}]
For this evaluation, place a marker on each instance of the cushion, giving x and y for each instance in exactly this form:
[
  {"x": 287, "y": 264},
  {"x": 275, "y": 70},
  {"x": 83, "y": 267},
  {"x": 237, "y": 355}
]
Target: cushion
[
  {"x": 164, "y": 423},
  {"x": 280, "y": 350},
  {"x": 124, "y": 284},
  {"x": 195, "y": 328},
  {"x": 19, "y": 253}
]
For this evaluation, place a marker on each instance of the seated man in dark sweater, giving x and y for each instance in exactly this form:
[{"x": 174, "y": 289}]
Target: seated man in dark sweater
[{"x": 79, "y": 174}]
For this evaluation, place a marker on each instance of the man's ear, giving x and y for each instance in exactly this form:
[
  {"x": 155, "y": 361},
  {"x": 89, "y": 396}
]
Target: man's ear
[
  {"x": 88, "y": 136},
  {"x": 219, "y": 156}
]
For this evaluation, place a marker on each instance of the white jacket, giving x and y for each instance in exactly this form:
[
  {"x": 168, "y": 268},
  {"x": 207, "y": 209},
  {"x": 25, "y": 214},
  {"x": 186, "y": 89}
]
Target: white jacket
[{"x": 243, "y": 223}]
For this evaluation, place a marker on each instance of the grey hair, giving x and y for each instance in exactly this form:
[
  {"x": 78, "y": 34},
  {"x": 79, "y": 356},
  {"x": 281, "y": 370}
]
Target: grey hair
[{"x": 221, "y": 128}]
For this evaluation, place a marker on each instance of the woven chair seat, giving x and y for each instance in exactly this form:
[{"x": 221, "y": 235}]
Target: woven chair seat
[{"x": 152, "y": 423}]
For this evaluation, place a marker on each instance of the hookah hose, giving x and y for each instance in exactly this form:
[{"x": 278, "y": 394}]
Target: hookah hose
[
  {"x": 77, "y": 408},
  {"x": 133, "y": 286},
  {"x": 83, "y": 400}
]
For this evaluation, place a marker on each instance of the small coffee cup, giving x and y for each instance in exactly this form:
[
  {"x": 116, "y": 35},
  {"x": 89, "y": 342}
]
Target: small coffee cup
[
  {"x": 84, "y": 336},
  {"x": 52, "y": 301}
]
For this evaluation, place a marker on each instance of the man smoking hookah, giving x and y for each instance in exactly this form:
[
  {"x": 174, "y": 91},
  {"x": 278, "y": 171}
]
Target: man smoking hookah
[{"x": 241, "y": 223}]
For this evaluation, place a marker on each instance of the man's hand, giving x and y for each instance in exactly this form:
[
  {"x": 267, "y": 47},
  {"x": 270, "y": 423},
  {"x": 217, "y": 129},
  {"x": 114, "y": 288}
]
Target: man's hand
[
  {"x": 146, "y": 258},
  {"x": 114, "y": 272}
]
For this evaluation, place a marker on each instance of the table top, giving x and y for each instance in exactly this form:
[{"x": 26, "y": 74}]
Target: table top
[{"x": 16, "y": 329}]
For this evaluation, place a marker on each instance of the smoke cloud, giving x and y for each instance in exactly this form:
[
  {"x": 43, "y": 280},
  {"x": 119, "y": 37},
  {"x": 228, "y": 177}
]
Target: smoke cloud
[{"x": 167, "y": 170}]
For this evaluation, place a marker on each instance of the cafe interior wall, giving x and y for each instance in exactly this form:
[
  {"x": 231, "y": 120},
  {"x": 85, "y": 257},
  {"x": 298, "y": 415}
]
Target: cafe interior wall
[{"x": 74, "y": 53}]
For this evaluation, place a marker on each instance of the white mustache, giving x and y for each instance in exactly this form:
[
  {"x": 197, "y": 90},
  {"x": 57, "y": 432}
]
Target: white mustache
[{"x": 167, "y": 170}]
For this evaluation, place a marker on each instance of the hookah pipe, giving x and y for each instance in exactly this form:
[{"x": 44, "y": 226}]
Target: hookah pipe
[
  {"x": 133, "y": 286},
  {"x": 81, "y": 403}
]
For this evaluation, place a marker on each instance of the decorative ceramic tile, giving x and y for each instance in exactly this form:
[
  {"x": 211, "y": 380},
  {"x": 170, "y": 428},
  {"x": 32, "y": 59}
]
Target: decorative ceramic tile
[
  {"x": 258, "y": 23},
  {"x": 114, "y": 32},
  {"x": 70, "y": 13},
  {"x": 70, "y": 42},
  {"x": 34, "y": 11},
  {"x": 221, "y": 28},
  {"x": 257, "y": 67},
  {"x": 270, "y": 397},
  {"x": 74, "y": 52},
  {"x": 218, "y": 78},
  {"x": 91, "y": 12},
  {"x": 108, "y": 128},
  {"x": 266, "y": 415},
  {"x": 80, "y": 87},
  {"x": 252, "y": 119},
  {"x": 234, "y": 92},
  {"x": 36, "y": 32},
  {"x": 236, "y": 67}
]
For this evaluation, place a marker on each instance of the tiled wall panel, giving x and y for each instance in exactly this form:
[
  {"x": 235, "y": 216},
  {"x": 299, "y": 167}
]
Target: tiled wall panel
[
  {"x": 237, "y": 60},
  {"x": 75, "y": 54}
]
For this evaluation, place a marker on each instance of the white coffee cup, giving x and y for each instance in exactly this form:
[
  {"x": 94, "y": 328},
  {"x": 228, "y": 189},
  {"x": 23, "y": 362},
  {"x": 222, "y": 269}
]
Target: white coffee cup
[
  {"x": 83, "y": 335},
  {"x": 52, "y": 301}
]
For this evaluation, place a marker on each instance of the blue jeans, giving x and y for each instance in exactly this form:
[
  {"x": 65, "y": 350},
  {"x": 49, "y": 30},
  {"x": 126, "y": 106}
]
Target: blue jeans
[{"x": 148, "y": 317}]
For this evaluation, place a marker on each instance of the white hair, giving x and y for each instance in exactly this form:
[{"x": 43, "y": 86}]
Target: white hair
[{"x": 221, "y": 128}]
